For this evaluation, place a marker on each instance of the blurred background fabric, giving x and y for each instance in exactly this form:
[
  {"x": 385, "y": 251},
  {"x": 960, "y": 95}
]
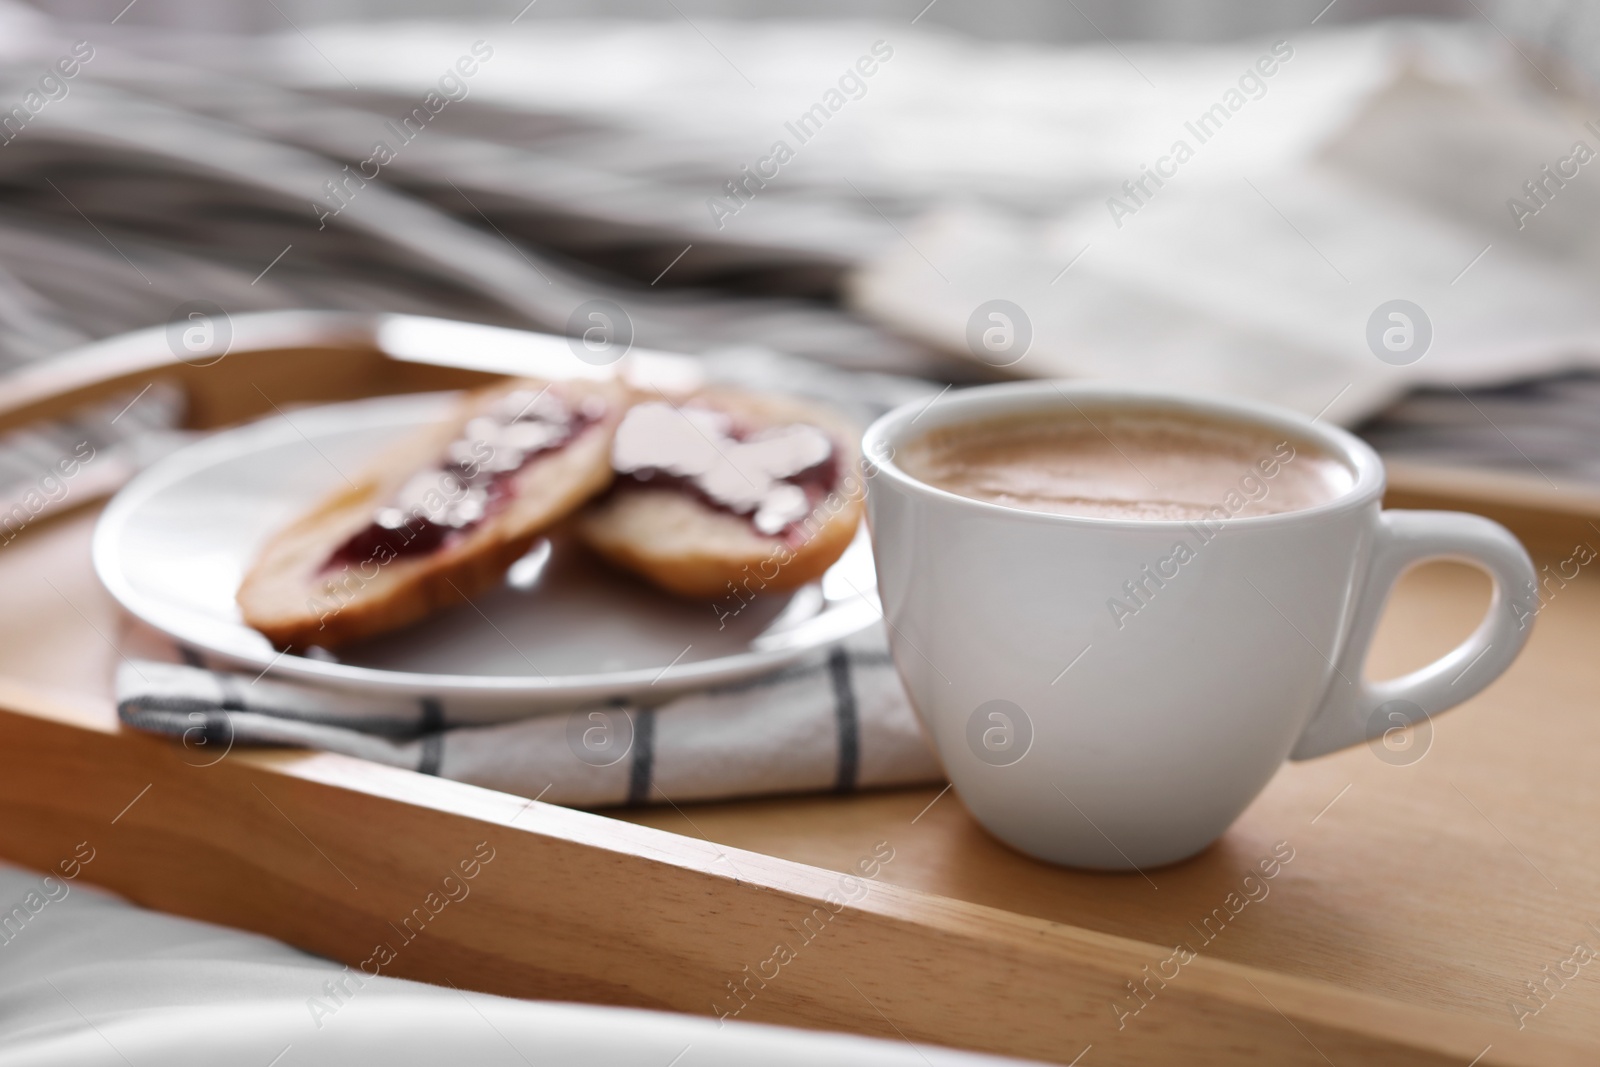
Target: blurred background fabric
[{"x": 506, "y": 163}]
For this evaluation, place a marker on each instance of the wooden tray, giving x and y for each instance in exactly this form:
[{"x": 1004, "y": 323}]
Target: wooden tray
[{"x": 1420, "y": 902}]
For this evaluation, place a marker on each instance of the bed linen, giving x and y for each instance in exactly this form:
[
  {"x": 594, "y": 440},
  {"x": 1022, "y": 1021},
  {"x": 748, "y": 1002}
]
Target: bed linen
[{"x": 88, "y": 978}]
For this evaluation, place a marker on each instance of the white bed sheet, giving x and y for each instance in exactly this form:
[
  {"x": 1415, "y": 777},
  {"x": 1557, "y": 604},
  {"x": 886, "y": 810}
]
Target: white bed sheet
[{"x": 88, "y": 978}]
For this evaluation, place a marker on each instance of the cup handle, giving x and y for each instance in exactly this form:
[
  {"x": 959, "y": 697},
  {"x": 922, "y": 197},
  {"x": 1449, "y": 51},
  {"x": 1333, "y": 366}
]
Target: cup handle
[{"x": 1349, "y": 713}]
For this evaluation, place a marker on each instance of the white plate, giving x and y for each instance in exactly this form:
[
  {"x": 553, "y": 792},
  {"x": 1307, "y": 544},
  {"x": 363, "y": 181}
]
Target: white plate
[{"x": 173, "y": 545}]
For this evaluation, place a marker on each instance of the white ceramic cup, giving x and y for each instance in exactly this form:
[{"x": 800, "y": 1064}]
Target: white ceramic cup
[{"x": 1087, "y": 737}]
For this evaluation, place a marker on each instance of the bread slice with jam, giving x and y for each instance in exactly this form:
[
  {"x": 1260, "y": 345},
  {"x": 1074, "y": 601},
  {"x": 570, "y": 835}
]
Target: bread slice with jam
[
  {"x": 725, "y": 492},
  {"x": 440, "y": 518}
]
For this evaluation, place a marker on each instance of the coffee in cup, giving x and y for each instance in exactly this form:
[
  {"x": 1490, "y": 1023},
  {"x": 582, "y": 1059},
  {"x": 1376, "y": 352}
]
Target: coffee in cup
[{"x": 1125, "y": 463}]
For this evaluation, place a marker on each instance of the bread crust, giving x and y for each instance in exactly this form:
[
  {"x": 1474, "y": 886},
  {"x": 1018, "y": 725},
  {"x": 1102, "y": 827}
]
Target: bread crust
[
  {"x": 681, "y": 544},
  {"x": 291, "y": 598}
]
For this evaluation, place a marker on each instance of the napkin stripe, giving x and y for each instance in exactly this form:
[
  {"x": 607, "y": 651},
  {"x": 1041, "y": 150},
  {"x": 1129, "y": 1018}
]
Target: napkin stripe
[
  {"x": 432, "y": 749},
  {"x": 432, "y": 715},
  {"x": 844, "y": 704},
  {"x": 644, "y": 756}
]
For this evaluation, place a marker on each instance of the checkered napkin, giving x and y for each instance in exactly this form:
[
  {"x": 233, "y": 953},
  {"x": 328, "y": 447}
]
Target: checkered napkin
[{"x": 837, "y": 721}]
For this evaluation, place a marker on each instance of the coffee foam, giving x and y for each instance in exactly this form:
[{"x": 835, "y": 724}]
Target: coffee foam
[{"x": 1126, "y": 463}]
